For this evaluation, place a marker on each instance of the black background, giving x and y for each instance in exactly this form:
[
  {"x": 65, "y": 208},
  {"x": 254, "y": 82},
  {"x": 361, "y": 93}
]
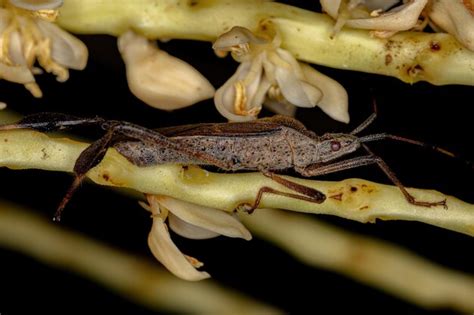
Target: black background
[{"x": 440, "y": 115}]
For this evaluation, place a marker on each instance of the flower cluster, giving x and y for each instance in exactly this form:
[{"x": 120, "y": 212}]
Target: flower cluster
[
  {"x": 190, "y": 221},
  {"x": 27, "y": 35},
  {"x": 270, "y": 75},
  {"x": 385, "y": 17}
]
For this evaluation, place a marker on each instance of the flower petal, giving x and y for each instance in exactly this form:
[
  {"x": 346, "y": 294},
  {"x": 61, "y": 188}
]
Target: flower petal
[
  {"x": 225, "y": 97},
  {"x": 281, "y": 108},
  {"x": 159, "y": 79},
  {"x": 189, "y": 230},
  {"x": 331, "y": 7},
  {"x": 210, "y": 219},
  {"x": 401, "y": 18},
  {"x": 334, "y": 101},
  {"x": 19, "y": 71},
  {"x": 290, "y": 79},
  {"x": 35, "y": 5},
  {"x": 295, "y": 91},
  {"x": 169, "y": 255},
  {"x": 66, "y": 49},
  {"x": 238, "y": 41}
]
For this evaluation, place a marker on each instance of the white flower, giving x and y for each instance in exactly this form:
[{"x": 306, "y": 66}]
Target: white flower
[
  {"x": 159, "y": 79},
  {"x": 191, "y": 221},
  {"x": 27, "y": 35},
  {"x": 453, "y": 16},
  {"x": 268, "y": 74},
  {"x": 375, "y": 15}
]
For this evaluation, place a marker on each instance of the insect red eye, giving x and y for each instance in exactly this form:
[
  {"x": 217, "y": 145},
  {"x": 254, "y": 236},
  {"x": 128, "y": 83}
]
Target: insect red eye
[{"x": 335, "y": 145}]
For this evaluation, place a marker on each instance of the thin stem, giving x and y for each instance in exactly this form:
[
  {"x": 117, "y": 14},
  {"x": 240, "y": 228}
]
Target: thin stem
[
  {"x": 409, "y": 56},
  {"x": 376, "y": 263},
  {"x": 135, "y": 278},
  {"x": 353, "y": 199}
]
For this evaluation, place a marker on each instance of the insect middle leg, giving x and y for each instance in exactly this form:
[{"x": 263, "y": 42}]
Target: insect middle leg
[
  {"x": 322, "y": 169},
  {"x": 305, "y": 193}
]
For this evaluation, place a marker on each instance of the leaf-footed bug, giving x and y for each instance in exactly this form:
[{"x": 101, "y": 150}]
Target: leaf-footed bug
[{"x": 266, "y": 145}]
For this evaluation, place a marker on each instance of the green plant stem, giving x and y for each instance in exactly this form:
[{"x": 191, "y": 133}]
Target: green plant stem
[
  {"x": 353, "y": 199},
  {"x": 380, "y": 264},
  {"x": 133, "y": 277},
  {"x": 410, "y": 56}
]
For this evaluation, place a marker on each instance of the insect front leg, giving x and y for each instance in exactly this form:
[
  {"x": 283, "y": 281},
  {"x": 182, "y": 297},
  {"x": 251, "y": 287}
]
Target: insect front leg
[
  {"x": 322, "y": 169},
  {"x": 88, "y": 159},
  {"x": 95, "y": 152},
  {"x": 305, "y": 193}
]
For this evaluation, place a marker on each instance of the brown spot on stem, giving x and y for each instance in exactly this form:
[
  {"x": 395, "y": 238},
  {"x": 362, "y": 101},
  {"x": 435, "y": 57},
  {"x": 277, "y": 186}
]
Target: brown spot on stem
[
  {"x": 364, "y": 208},
  {"x": 5, "y": 140},
  {"x": 435, "y": 46},
  {"x": 388, "y": 59},
  {"x": 366, "y": 188},
  {"x": 353, "y": 189},
  {"x": 193, "y": 3},
  {"x": 337, "y": 197},
  {"x": 45, "y": 155},
  {"x": 414, "y": 71},
  {"x": 110, "y": 179}
]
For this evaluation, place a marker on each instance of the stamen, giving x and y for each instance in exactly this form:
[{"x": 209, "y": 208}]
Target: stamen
[{"x": 240, "y": 99}]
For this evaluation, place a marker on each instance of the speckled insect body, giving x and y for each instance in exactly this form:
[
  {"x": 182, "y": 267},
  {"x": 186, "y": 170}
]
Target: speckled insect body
[
  {"x": 266, "y": 145},
  {"x": 283, "y": 149}
]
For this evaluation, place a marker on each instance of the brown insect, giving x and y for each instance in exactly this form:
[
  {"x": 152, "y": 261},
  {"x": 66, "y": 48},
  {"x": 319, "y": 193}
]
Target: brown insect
[{"x": 266, "y": 145}]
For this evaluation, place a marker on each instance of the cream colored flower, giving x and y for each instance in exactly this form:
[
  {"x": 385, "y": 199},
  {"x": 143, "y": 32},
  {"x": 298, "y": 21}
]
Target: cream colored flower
[
  {"x": 268, "y": 74},
  {"x": 375, "y": 15},
  {"x": 191, "y": 221},
  {"x": 159, "y": 79},
  {"x": 455, "y": 17},
  {"x": 27, "y": 35}
]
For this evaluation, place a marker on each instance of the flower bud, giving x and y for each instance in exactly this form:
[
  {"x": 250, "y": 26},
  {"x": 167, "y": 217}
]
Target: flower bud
[{"x": 159, "y": 79}]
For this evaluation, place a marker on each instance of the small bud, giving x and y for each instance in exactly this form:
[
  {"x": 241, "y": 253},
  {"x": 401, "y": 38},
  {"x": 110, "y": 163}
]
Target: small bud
[{"x": 159, "y": 79}]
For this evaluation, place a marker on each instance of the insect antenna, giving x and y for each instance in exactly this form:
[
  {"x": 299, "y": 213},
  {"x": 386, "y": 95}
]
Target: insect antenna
[
  {"x": 52, "y": 122},
  {"x": 383, "y": 136},
  {"x": 366, "y": 123}
]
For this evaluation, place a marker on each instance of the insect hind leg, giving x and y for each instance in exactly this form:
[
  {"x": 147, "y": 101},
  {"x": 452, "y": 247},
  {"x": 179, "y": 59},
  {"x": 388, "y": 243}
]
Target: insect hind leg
[{"x": 304, "y": 193}]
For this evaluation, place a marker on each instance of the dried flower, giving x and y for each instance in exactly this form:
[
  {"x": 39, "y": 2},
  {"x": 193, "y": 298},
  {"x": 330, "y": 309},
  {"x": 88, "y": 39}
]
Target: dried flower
[
  {"x": 191, "y": 221},
  {"x": 27, "y": 35},
  {"x": 268, "y": 74},
  {"x": 159, "y": 79}
]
